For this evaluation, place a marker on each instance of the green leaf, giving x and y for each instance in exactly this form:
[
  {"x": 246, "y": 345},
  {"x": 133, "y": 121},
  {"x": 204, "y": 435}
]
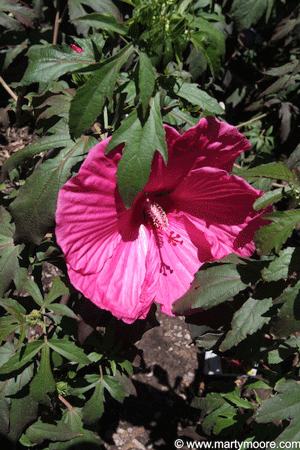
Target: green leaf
[
  {"x": 146, "y": 81},
  {"x": 63, "y": 310},
  {"x": 72, "y": 417},
  {"x": 210, "y": 287},
  {"x": 288, "y": 318},
  {"x": 271, "y": 197},
  {"x": 195, "y": 96},
  {"x": 103, "y": 22},
  {"x": 35, "y": 206},
  {"x": 43, "y": 382},
  {"x": 14, "y": 308},
  {"x": 49, "y": 62},
  {"x": 22, "y": 411},
  {"x": 90, "y": 98},
  {"x": 68, "y": 350},
  {"x": 114, "y": 388},
  {"x": 274, "y": 171},
  {"x": 39, "y": 431},
  {"x": 58, "y": 140},
  {"x": 94, "y": 407},
  {"x": 283, "y": 266},
  {"x": 23, "y": 356},
  {"x": 141, "y": 142},
  {"x": 178, "y": 118},
  {"x": 57, "y": 289},
  {"x": 9, "y": 252},
  {"x": 34, "y": 291},
  {"x": 76, "y": 9},
  {"x": 247, "y": 12},
  {"x": 246, "y": 321},
  {"x": 274, "y": 235},
  {"x": 283, "y": 406},
  {"x": 238, "y": 401},
  {"x": 10, "y": 386}
]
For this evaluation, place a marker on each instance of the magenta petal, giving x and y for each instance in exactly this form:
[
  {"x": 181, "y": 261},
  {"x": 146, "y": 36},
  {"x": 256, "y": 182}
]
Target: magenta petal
[
  {"x": 125, "y": 285},
  {"x": 216, "y": 143},
  {"x": 211, "y": 194},
  {"x": 179, "y": 263},
  {"x": 210, "y": 143},
  {"x": 86, "y": 216}
]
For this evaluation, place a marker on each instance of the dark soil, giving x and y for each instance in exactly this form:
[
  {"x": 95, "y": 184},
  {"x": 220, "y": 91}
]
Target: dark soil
[{"x": 165, "y": 382}]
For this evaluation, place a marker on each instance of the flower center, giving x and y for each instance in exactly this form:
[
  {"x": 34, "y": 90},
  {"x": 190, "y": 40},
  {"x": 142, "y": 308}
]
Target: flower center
[
  {"x": 157, "y": 214},
  {"x": 160, "y": 221}
]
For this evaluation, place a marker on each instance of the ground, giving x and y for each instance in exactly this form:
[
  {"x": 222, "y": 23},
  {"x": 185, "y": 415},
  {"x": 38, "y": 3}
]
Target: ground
[{"x": 160, "y": 412}]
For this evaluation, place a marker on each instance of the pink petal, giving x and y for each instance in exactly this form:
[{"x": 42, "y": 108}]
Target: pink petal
[
  {"x": 87, "y": 213},
  {"x": 212, "y": 195},
  {"x": 217, "y": 143},
  {"x": 209, "y": 143},
  {"x": 179, "y": 263},
  {"x": 126, "y": 284}
]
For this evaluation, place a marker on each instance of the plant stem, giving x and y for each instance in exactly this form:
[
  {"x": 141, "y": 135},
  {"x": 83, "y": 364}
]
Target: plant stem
[
  {"x": 65, "y": 402},
  {"x": 251, "y": 120},
  {"x": 8, "y": 89},
  {"x": 57, "y": 22}
]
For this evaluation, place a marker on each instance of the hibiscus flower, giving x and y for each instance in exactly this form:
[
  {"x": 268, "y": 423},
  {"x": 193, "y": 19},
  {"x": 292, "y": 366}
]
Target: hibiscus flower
[{"x": 190, "y": 211}]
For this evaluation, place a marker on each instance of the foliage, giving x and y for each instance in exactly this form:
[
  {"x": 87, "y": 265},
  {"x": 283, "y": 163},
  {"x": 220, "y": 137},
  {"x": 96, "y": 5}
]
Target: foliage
[{"x": 95, "y": 69}]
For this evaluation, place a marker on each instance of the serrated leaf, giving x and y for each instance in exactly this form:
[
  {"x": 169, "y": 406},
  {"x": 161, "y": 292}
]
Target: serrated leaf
[
  {"x": 72, "y": 417},
  {"x": 195, "y": 96},
  {"x": 63, "y": 310},
  {"x": 246, "y": 321},
  {"x": 49, "y": 62},
  {"x": 58, "y": 140},
  {"x": 35, "y": 206},
  {"x": 22, "y": 411},
  {"x": 68, "y": 350},
  {"x": 9, "y": 252},
  {"x": 76, "y": 9},
  {"x": 90, "y": 98},
  {"x": 271, "y": 197},
  {"x": 178, "y": 118},
  {"x": 210, "y": 287},
  {"x": 94, "y": 407},
  {"x": 247, "y": 12},
  {"x": 288, "y": 319},
  {"x": 274, "y": 235},
  {"x": 34, "y": 291},
  {"x": 275, "y": 171},
  {"x": 23, "y": 356},
  {"x": 57, "y": 289},
  {"x": 284, "y": 265},
  {"x": 22, "y": 15},
  {"x": 141, "y": 142},
  {"x": 284, "y": 405},
  {"x": 11, "y": 387},
  {"x": 43, "y": 382},
  {"x": 238, "y": 401},
  {"x": 114, "y": 388},
  {"x": 14, "y": 308},
  {"x": 39, "y": 431},
  {"x": 146, "y": 81},
  {"x": 103, "y": 22}
]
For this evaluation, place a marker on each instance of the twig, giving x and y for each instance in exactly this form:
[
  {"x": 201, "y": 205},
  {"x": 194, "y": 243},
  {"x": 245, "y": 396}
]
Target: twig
[
  {"x": 56, "y": 26},
  {"x": 57, "y": 22},
  {"x": 8, "y": 89},
  {"x": 251, "y": 120}
]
